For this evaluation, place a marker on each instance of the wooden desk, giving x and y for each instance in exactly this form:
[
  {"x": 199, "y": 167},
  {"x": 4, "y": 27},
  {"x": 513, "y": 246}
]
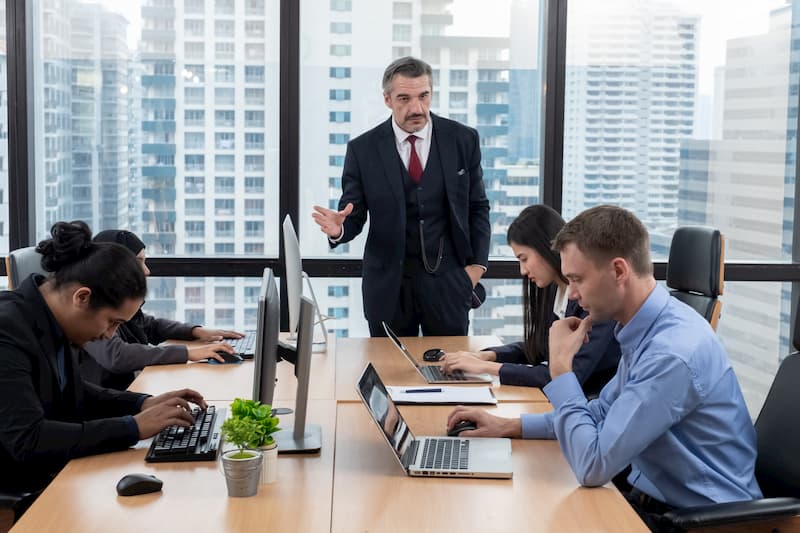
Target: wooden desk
[
  {"x": 194, "y": 498},
  {"x": 225, "y": 382},
  {"x": 371, "y": 492},
  {"x": 353, "y": 354}
]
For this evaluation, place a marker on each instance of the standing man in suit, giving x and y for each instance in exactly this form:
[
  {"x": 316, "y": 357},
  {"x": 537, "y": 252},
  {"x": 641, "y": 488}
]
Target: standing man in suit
[{"x": 419, "y": 177}]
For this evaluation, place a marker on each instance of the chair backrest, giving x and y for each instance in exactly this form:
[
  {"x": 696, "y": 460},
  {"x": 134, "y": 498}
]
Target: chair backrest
[
  {"x": 21, "y": 263},
  {"x": 778, "y": 434},
  {"x": 696, "y": 269}
]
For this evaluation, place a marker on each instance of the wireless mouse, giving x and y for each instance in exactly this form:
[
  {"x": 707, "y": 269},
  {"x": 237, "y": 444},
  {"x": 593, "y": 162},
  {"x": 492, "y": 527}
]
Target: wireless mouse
[
  {"x": 135, "y": 484},
  {"x": 463, "y": 425},
  {"x": 228, "y": 357}
]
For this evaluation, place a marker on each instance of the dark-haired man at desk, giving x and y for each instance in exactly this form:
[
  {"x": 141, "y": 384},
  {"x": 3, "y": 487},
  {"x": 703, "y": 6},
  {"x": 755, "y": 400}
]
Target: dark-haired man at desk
[
  {"x": 419, "y": 176},
  {"x": 674, "y": 410}
]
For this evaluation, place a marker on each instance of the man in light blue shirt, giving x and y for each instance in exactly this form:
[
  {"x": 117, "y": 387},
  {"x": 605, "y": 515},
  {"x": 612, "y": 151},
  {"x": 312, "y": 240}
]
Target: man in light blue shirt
[{"x": 673, "y": 411}]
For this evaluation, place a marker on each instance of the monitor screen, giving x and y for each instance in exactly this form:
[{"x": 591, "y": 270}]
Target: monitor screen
[
  {"x": 266, "y": 354},
  {"x": 294, "y": 273}
]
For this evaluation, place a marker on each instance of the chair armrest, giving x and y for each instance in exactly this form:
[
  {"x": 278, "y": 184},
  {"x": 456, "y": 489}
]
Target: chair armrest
[
  {"x": 734, "y": 512},
  {"x": 9, "y": 499}
]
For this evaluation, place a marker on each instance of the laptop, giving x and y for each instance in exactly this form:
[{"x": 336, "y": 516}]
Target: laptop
[
  {"x": 432, "y": 456},
  {"x": 434, "y": 373}
]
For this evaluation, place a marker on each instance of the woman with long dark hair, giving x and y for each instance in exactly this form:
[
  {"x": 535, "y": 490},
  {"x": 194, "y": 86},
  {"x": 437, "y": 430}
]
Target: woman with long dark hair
[
  {"x": 544, "y": 296},
  {"x": 48, "y": 413}
]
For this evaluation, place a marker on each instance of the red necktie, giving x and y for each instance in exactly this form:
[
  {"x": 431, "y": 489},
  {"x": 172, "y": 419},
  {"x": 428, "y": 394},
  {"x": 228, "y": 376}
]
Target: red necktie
[{"x": 414, "y": 166}]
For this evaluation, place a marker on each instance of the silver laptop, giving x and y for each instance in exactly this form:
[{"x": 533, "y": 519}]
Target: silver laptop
[
  {"x": 431, "y": 456},
  {"x": 434, "y": 373}
]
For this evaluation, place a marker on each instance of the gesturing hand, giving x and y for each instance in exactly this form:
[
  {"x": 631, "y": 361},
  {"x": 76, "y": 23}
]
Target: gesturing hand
[{"x": 330, "y": 221}]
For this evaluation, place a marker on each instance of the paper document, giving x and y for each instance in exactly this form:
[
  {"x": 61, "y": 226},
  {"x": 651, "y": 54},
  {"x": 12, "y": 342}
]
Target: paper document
[{"x": 442, "y": 395}]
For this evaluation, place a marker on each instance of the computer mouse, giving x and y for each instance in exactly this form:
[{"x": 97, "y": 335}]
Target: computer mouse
[
  {"x": 135, "y": 484},
  {"x": 228, "y": 357},
  {"x": 463, "y": 425},
  {"x": 432, "y": 355}
]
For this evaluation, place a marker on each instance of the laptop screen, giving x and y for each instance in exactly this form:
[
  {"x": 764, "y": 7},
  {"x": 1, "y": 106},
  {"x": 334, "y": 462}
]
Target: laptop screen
[
  {"x": 400, "y": 346},
  {"x": 384, "y": 411}
]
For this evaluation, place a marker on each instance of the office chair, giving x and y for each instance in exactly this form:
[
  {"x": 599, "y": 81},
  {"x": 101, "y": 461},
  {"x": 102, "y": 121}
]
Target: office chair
[
  {"x": 21, "y": 263},
  {"x": 777, "y": 464},
  {"x": 696, "y": 269}
]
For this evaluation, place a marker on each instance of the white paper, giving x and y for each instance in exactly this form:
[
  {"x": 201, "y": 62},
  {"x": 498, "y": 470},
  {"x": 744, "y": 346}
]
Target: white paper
[{"x": 447, "y": 395}]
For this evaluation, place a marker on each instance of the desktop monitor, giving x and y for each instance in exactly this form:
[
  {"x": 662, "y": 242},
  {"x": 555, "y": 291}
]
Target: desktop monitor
[
  {"x": 302, "y": 437},
  {"x": 266, "y": 352},
  {"x": 294, "y": 273}
]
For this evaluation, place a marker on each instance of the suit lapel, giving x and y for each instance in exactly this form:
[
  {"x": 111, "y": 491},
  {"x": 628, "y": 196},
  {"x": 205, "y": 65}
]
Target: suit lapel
[
  {"x": 448, "y": 154},
  {"x": 42, "y": 328},
  {"x": 387, "y": 149}
]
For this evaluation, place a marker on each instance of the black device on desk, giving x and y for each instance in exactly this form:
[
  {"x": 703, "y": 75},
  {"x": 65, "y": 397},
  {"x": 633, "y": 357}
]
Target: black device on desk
[
  {"x": 227, "y": 358},
  {"x": 199, "y": 442},
  {"x": 246, "y": 346}
]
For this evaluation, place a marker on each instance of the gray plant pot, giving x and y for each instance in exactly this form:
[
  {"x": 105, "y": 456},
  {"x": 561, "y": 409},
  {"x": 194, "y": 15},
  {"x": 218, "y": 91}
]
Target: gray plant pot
[{"x": 241, "y": 475}]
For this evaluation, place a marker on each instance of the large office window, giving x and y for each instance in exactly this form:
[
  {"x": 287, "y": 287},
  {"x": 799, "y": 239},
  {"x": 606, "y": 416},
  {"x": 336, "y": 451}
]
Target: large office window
[
  {"x": 687, "y": 115},
  {"x": 497, "y": 93},
  {"x": 141, "y": 121}
]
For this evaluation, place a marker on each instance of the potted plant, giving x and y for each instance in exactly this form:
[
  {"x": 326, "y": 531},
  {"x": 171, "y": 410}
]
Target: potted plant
[
  {"x": 266, "y": 425},
  {"x": 242, "y": 466}
]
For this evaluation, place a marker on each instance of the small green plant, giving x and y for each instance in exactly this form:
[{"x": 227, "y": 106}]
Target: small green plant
[{"x": 250, "y": 425}]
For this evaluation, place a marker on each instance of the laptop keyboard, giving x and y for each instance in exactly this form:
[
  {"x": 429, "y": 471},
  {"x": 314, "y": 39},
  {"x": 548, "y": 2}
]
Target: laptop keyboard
[
  {"x": 434, "y": 373},
  {"x": 246, "y": 346},
  {"x": 448, "y": 454}
]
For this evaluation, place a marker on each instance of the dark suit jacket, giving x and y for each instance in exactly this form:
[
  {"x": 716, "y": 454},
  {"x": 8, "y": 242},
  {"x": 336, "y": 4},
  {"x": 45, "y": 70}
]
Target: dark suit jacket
[
  {"x": 372, "y": 180},
  {"x": 594, "y": 364},
  {"x": 41, "y": 427}
]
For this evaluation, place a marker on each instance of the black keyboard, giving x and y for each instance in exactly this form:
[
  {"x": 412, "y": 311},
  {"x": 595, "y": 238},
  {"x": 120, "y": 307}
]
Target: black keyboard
[
  {"x": 246, "y": 346},
  {"x": 199, "y": 442},
  {"x": 448, "y": 454}
]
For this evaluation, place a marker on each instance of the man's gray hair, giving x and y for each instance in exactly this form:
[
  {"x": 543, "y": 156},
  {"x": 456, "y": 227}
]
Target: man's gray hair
[{"x": 408, "y": 66}]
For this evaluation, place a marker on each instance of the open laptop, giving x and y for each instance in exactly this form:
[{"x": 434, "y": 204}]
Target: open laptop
[
  {"x": 432, "y": 456},
  {"x": 433, "y": 373}
]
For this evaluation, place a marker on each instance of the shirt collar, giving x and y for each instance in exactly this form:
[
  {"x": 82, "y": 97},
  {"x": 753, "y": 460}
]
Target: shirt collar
[
  {"x": 400, "y": 135},
  {"x": 632, "y": 334}
]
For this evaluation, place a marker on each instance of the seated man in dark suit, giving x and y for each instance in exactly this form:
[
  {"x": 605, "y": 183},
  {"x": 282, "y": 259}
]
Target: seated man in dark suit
[{"x": 419, "y": 177}]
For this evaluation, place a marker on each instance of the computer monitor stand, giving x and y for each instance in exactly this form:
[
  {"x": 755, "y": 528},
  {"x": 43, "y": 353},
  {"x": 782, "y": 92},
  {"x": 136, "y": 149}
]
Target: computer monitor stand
[
  {"x": 317, "y": 346},
  {"x": 302, "y": 438}
]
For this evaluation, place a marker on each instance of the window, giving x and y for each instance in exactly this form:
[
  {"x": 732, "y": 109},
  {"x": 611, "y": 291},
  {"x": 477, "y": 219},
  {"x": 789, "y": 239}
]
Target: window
[
  {"x": 458, "y": 100},
  {"x": 339, "y": 72},
  {"x": 254, "y": 96},
  {"x": 195, "y": 248},
  {"x": 253, "y": 207},
  {"x": 253, "y": 184},
  {"x": 223, "y": 206},
  {"x": 195, "y": 316},
  {"x": 194, "y": 73},
  {"x": 401, "y": 10},
  {"x": 254, "y": 29},
  {"x": 224, "y": 295},
  {"x": 338, "y": 138},
  {"x": 336, "y": 160},
  {"x": 195, "y": 228},
  {"x": 339, "y": 116},
  {"x": 223, "y": 228},
  {"x": 194, "y": 185},
  {"x": 223, "y": 318},
  {"x": 224, "y": 162},
  {"x": 339, "y": 95},
  {"x": 193, "y": 50},
  {"x": 194, "y": 162},
  {"x": 341, "y": 27},
  {"x": 194, "y": 117},
  {"x": 254, "y": 248},
  {"x": 458, "y": 78},
  {"x": 194, "y": 295},
  {"x": 254, "y": 51},
  {"x": 254, "y": 119},
  {"x": 194, "y": 95},
  {"x": 254, "y": 141},
  {"x": 401, "y": 32},
  {"x": 341, "y": 5},
  {"x": 223, "y": 248},
  {"x": 223, "y": 28},
  {"x": 253, "y": 74},
  {"x": 224, "y": 118},
  {"x": 254, "y": 163},
  {"x": 224, "y": 96},
  {"x": 254, "y": 228},
  {"x": 224, "y": 73},
  {"x": 224, "y": 141},
  {"x": 340, "y": 50},
  {"x": 193, "y": 28},
  {"x": 194, "y": 140},
  {"x": 194, "y": 206},
  {"x": 338, "y": 312},
  {"x": 338, "y": 291},
  {"x": 224, "y": 184}
]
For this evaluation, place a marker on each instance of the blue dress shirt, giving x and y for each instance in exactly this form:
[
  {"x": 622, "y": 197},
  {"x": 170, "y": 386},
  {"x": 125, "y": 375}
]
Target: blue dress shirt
[{"x": 673, "y": 411}]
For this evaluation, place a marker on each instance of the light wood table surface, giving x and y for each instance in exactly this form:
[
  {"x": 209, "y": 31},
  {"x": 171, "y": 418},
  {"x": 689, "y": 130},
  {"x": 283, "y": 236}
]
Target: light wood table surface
[
  {"x": 83, "y": 496},
  {"x": 353, "y": 354},
  {"x": 372, "y": 494},
  {"x": 225, "y": 382}
]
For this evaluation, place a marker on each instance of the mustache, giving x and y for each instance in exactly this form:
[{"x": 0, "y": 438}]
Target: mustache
[{"x": 415, "y": 115}]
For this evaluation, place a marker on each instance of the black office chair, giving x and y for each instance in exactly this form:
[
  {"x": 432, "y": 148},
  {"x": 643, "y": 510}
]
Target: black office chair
[
  {"x": 777, "y": 465},
  {"x": 696, "y": 269},
  {"x": 13, "y": 504}
]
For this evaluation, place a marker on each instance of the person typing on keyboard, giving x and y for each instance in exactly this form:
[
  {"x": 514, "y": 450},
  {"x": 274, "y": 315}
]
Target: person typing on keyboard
[
  {"x": 48, "y": 413},
  {"x": 113, "y": 362}
]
